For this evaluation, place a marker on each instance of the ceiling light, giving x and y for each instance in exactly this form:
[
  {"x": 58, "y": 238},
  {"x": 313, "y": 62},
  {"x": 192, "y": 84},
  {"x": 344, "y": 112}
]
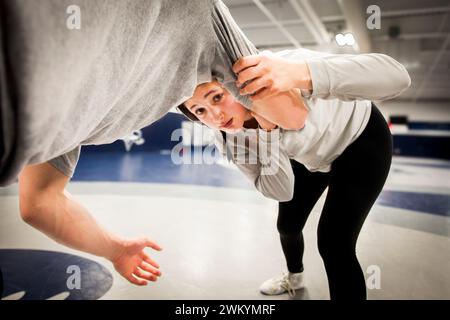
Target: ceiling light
[
  {"x": 345, "y": 39},
  {"x": 340, "y": 39}
]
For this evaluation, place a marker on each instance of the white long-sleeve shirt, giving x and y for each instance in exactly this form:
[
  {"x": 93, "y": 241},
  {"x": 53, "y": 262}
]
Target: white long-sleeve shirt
[{"x": 339, "y": 109}]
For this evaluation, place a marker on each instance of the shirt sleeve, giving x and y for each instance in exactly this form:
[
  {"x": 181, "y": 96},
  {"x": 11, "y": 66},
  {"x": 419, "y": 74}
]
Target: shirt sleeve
[
  {"x": 348, "y": 77},
  {"x": 231, "y": 45},
  {"x": 265, "y": 163},
  {"x": 67, "y": 162}
]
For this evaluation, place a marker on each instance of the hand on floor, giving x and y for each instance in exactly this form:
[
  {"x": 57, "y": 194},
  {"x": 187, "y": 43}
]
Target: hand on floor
[{"x": 134, "y": 264}]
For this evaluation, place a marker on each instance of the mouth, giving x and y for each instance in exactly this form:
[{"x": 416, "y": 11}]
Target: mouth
[{"x": 228, "y": 124}]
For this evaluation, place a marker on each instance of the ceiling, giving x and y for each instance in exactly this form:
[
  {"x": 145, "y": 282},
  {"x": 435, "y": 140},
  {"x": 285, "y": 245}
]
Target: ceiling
[{"x": 414, "y": 32}]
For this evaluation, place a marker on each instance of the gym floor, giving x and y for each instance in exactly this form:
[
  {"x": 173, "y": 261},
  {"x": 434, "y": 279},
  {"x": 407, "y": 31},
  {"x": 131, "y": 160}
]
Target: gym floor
[{"x": 219, "y": 235}]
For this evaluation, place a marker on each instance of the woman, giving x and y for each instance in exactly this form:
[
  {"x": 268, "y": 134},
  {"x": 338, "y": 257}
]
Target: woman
[{"x": 344, "y": 144}]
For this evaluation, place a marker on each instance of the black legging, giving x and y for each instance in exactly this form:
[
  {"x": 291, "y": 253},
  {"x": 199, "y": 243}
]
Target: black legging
[{"x": 356, "y": 179}]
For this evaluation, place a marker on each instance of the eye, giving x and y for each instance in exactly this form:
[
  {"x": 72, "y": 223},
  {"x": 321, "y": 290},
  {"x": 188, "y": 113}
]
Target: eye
[
  {"x": 218, "y": 97},
  {"x": 199, "y": 111}
]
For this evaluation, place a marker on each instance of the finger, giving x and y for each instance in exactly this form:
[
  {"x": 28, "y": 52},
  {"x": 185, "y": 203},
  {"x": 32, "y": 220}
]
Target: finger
[
  {"x": 151, "y": 244},
  {"x": 254, "y": 86},
  {"x": 136, "y": 281},
  {"x": 248, "y": 75},
  {"x": 144, "y": 275},
  {"x": 147, "y": 267},
  {"x": 246, "y": 62},
  {"x": 149, "y": 260},
  {"x": 262, "y": 94}
]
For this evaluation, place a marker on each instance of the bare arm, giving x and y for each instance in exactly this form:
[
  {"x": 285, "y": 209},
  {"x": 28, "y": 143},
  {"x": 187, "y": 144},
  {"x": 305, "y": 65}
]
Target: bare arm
[
  {"x": 48, "y": 207},
  {"x": 286, "y": 109}
]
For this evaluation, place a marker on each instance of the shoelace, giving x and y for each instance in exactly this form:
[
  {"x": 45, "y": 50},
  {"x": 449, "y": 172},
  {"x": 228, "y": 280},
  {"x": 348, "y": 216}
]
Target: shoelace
[{"x": 286, "y": 284}]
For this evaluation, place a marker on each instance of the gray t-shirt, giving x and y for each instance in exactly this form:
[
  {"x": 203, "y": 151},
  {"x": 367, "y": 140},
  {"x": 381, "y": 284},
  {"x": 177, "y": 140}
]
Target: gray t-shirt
[{"x": 128, "y": 65}]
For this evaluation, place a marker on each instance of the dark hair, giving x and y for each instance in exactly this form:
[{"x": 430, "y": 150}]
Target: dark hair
[{"x": 187, "y": 113}]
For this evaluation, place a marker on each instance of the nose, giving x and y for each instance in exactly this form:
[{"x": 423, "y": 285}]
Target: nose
[{"x": 218, "y": 115}]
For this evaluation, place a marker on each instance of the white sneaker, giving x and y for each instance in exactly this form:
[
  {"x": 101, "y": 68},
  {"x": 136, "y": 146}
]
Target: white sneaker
[{"x": 288, "y": 282}]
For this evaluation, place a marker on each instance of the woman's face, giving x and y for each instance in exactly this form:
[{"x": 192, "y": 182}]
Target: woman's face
[{"x": 214, "y": 106}]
